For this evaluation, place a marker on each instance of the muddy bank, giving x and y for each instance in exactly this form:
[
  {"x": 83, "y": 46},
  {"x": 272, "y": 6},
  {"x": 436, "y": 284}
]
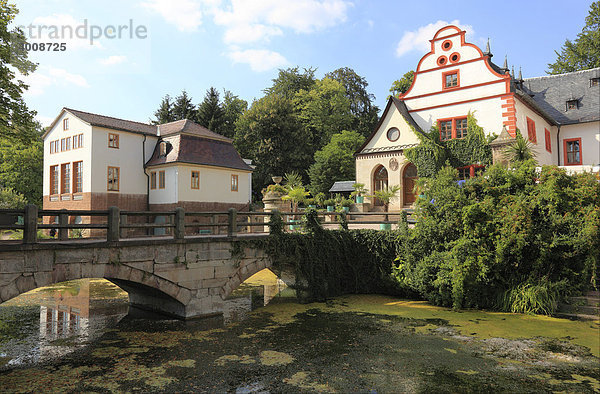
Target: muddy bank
[{"x": 354, "y": 343}]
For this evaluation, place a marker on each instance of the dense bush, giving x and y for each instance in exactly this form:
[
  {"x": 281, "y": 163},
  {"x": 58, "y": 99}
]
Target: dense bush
[{"x": 511, "y": 239}]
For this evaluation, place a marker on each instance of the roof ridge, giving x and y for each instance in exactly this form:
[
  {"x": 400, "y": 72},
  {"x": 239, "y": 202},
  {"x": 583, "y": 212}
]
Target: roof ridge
[
  {"x": 563, "y": 74},
  {"x": 112, "y": 117}
]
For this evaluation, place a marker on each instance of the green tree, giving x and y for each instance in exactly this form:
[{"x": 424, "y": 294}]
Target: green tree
[
  {"x": 271, "y": 135},
  {"x": 520, "y": 150},
  {"x": 210, "y": 113},
  {"x": 584, "y": 52},
  {"x": 164, "y": 113},
  {"x": 290, "y": 81},
  {"x": 21, "y": 168},
  {"x": 10, "y": 199},
  {"x": 183, "y": 107},
  {"x": 335, "y": 162},
  {"x": 402, "y": 85},
  {"x": 361, "y": 101},
  {"x": 233, "y": 108},
  {"x": 324, "y": 110},
  {"x": 16, "y": 120}
]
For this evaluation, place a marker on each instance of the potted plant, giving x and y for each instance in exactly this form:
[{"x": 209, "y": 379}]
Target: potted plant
[
  {"x": 346, "y": 204},
  {"x": 320, "y": 199},
  {"x": 296, "y": 195},
  {"x": 310, "y": 202},
  {"x": 385, "y": 196},
  {"x": 359, "y": 192},
  {"x": 330, "y": 204}
]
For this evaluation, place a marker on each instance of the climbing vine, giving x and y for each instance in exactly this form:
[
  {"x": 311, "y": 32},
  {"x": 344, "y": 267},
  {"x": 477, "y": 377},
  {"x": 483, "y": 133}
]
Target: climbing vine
[
  {"x": 328, "y": 263},
  {"x": 432, "y": 153}
]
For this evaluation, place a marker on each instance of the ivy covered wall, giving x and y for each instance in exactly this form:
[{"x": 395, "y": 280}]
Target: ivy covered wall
[{"x": 432, "y": 153}]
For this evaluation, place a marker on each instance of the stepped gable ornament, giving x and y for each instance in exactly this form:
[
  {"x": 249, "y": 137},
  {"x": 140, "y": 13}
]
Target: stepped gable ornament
[{"x": 393, "y": 164}]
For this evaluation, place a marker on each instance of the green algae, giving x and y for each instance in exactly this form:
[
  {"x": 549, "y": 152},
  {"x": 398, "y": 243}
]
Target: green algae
[
  {"x": 480, "y": 324},
  {"x": 272, "y": 358},
  {"x": 181, "y": 363},
  {"x": 453, "y": 351},
  {"x": 245, "y": 359},
  {"x": 300, "y": 380},
  {"x": 164, "y": 339},
  {"x": 467, "y": 372},
  {"x": 111, "y": 351}
]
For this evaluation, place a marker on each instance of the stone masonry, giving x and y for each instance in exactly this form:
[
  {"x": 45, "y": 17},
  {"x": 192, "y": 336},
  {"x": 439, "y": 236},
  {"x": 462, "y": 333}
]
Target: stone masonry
[{"x": 186, "y": 278}]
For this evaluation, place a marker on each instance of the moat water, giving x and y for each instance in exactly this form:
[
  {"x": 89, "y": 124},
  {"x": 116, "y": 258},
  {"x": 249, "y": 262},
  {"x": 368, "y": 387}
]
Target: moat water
[{"x": 83, "y": 336}]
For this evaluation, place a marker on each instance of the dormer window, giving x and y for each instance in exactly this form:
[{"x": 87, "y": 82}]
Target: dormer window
[
  {"x": 572, "y": 104},
  {"x": 162, "y": 149},
  {"x": 594, "y": 81}
]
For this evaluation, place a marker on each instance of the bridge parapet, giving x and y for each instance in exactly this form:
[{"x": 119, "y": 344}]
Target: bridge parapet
[{"x": 187, "y": 278}]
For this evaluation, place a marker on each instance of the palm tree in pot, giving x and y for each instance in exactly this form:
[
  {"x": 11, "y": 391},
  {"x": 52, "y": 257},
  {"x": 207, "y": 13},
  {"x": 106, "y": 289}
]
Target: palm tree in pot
[{"x": 386, "y": 196}]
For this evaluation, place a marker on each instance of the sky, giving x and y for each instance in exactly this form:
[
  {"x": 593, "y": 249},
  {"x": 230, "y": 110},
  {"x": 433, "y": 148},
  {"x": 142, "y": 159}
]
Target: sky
[{"x": 142, "y": 50}]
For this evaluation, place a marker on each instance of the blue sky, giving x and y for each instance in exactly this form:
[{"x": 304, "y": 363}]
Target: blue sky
[{"x": 239, "y": 45}]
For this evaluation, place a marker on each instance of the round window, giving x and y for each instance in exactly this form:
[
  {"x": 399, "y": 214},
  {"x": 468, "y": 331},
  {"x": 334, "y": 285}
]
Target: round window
[
  {"x": 446, "y": 45},
  {"x": 442, "y": 60},
  {"x": 455, "y": 57},
  {"x": 393, "y": 134}
]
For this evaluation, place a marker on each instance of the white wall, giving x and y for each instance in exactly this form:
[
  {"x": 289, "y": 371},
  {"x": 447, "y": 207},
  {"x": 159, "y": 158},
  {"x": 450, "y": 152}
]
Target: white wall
[
  {"x": 393, "y": 119},
  {"x": 215, "y": 185},
  {"x": 170, "y": 194},
  {"x": 84, "y": 154},
  {"x": 128, "y": 158},
  {"x": 590, "y": 141},
  {"x": 542, "y": 155}
]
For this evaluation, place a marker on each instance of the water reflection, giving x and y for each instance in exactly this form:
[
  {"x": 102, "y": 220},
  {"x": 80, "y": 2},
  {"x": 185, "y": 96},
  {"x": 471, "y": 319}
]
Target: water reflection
[
  {"x": 256, "y": 291},
  {"x": 50, "y": 322},
  {"x": 53, "y": 321}
]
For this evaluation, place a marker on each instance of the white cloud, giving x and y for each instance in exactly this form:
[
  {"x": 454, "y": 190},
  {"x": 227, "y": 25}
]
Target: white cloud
[
  {"x": 112, "y": 60},
  {"x": 259, "y": 59},
  {"x": 61, "y": 28},
  {"x": 265, "y": 18},
  {"x": 250, "y": 33},
  {"x": 51, "y": 77},
  {"x": 419, "y": 39},
  {"x": 186, "y": 15}
]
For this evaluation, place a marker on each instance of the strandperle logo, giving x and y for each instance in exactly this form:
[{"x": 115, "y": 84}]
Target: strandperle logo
[{"x": 85, "y": 31}]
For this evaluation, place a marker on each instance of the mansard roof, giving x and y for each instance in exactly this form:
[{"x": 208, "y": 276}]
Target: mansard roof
[
  {"x": 552, "y": 92},
  {"x": 199, "y": 150},
  {"x": 188, "y": 127}
]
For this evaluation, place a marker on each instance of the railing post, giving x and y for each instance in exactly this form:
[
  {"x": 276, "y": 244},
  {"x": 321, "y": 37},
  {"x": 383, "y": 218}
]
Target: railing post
[
  {"x": 30, "y": 219},
  {"x": 122, "y": 231},
  {"x": 232, "y": 223},
  {"x": 112, "y": 234},
  {"x": 63, "y": 220},
  {"x": 179, "y": 232}
]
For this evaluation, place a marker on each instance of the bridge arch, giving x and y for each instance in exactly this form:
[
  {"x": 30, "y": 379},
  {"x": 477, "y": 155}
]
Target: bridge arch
[
  {"x": 145, "y": 289},
  {"x": 187, "y": 278}
]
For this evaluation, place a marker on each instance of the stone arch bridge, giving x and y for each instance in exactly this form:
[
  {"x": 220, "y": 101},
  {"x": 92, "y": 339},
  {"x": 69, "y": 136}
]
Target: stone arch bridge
[{"x": 185, "y": 278}]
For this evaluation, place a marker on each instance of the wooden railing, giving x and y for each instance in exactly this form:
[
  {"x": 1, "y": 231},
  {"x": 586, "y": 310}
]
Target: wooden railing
[{"x": 117, "y": 223}]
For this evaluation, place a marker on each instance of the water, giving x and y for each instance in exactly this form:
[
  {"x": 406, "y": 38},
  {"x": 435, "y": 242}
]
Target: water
[
  {"x": 48, "y": 323},
  {"x": 81, "y": 336}
]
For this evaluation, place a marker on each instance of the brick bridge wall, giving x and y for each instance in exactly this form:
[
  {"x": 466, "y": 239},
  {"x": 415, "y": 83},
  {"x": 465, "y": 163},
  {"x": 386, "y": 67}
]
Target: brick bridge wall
[{"x": 186, "y": 278}]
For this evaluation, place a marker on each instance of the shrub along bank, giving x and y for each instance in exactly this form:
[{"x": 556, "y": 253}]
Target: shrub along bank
[{"x": 510, "y": 239}]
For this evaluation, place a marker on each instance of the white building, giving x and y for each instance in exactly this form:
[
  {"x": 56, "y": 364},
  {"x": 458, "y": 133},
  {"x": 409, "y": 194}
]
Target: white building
[
  {"x": 92, "y": 162},
  {"x": 559, "y": 114}
]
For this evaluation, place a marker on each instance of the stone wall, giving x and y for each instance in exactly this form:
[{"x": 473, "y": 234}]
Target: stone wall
[{"x": 193, "y": 276}]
